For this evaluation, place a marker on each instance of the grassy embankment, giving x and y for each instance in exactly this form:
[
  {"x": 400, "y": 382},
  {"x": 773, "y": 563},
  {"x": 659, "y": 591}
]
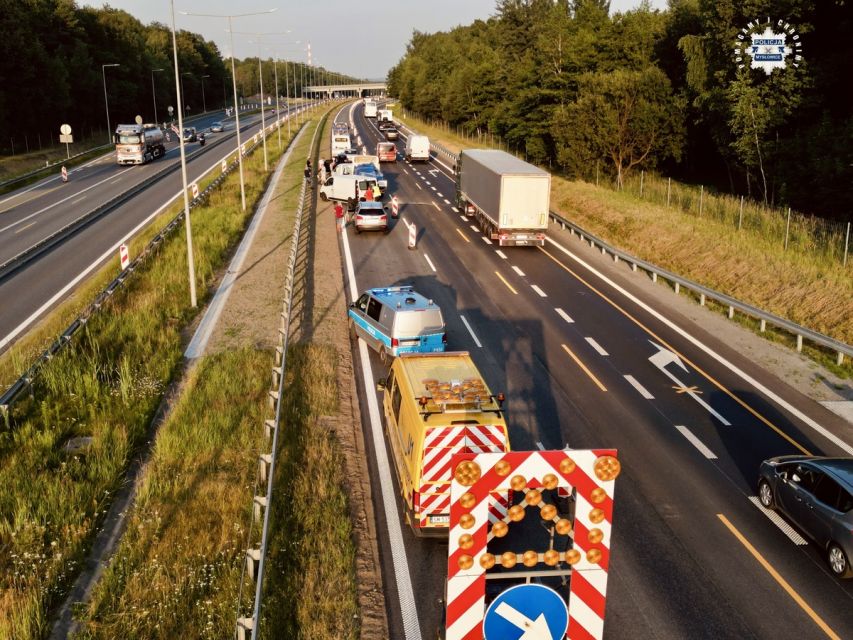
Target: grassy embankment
[
  {"x": 177, "y": 569},
  {"x": 805, "y": 283},
  {"x": 106, "y": 385}
]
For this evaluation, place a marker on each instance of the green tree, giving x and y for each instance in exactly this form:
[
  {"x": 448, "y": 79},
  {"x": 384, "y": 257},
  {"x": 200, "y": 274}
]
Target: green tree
[{"x": 627, "y": 118}]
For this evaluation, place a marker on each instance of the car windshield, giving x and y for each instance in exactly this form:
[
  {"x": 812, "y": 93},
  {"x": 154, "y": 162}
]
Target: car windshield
[
  {"x": 371, "y": 211},
  {"x": 129, "y": 139}
]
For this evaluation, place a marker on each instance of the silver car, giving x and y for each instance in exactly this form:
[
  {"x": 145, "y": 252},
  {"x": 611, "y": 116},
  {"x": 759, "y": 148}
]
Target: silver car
[
  {"x": 371, "y": 216},
  {"x": 817, "y": 494}
]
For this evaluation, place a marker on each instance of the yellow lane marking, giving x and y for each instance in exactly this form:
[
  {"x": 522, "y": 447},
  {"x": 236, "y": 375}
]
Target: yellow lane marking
[
  {"x": 778, "y": 578},
  {"x": 27, "y": 227},
  {"x": 436, "y": 206},
  {"x": 583, "y": 366},
  {"x": 508, "y": 285},
  {"x": 684, "y": 358},
  {"x": 419, "y": 186},
  {"x": 691, "y": 389},
  {"x": 463, "y": 236}
]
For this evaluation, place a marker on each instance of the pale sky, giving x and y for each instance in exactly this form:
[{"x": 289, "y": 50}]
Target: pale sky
[{"x": 361, "y": 38}]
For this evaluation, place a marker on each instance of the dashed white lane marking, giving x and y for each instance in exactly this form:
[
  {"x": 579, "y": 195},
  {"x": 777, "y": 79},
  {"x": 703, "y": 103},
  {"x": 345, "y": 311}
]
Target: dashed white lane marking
[
  {"x": 434, "y": 189},
  {"x": 78, "y": 200},
  {"x": 463, "y": 218},
  {"x": 431, "y": 265},
  {"x": 455, "y": 210},
  {"x": 446, "y": 201},
  {"x": 565, "y": 316},
  {"x": 486, "y": 240},
  {"x": 440, "y": 195},
  {"x": 640, "y": 388},
  {"x": 474, "y": 228},
  {"x": 405, "y": 171},
  {"x": 696, "y": 442},
  {"x": 428, "y": 183},
  {"x": 539, "y": 291},
  {"x": 419, "y": 186},
  {"x": 776, "y": 519},
  {"x": 500, "y": 253},
  {"x": 540, "y": 446},
  {"x": 517, "y": 270},
  {"x": 471, "y": 331},
  {"x": 596, "y": 346}
]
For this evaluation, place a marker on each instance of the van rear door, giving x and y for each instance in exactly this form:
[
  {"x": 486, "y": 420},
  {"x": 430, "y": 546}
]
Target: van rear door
[{"x": 432, "y": 501}]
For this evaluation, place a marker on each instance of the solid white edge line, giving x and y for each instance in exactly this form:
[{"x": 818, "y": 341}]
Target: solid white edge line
[
  {"x": 592, "y": 342},
  {"x": 431, "y": 265},
  {"x": 405, "y": 593},
  {"x": 199, "y": 341},
  {"x": 104, "y": 256},
  {"x": 696, "y": 442},
  {"x": 776, "y": 519},
  {"x": 640, "y": 388},
  {"x": 518, "y": 271},
  {"x": 539, "y": 291},
  {"x": 419, "y": 186},
  {"x": 471, "y": 331},
  {"x": 713, "y": 354},
  {"x": 565, "y": 316}
]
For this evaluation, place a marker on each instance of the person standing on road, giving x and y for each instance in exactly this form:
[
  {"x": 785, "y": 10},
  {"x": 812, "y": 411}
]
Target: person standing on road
[
  {"x": 340, "y": 221},
  {"x": 368, "y": 194},
  {"x": 307, "y": 171}
]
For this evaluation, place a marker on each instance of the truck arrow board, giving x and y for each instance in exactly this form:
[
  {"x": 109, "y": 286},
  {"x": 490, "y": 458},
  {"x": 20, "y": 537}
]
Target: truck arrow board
[
  {"x": 526, "y": 612},
  {"x": 664, "y": 357}
]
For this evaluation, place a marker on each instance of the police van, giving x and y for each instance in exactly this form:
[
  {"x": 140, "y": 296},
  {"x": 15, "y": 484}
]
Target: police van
[
  {"x": 395, "y": 320},
  {"x": 436, "y": 405}
]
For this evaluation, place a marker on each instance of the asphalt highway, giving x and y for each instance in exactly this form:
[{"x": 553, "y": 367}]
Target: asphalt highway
[
  {"x": 29, "y": 215},
  {"x": 588, "y": 359}
]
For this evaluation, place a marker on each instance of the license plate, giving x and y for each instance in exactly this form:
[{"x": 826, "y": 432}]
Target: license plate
[
  {"x": 521, "y": 237},
  {"x": 439, "y": 519},
  {"x": 410, "y": 343}
]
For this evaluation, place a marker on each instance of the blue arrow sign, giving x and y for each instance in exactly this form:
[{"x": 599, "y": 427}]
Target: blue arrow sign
[{"x": 526, "y": 612}]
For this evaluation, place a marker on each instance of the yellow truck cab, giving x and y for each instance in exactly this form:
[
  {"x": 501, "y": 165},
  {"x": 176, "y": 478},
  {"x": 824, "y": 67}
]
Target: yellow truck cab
[{"x": 437, "y": 404}]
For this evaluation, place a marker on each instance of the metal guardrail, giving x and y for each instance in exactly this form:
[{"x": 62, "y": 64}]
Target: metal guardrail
[
  {"x": 705, "y": 293},
  {"x": 11, "y": 395},
  {"x": 247, "y": 627},
  {"x": 50, "y": 167}
]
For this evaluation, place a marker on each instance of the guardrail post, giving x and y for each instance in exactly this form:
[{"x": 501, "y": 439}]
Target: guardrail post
[
  {"x": 654, "y": 276},
  {"x": 839, "y": 358},
  {"x": 264, "y": 462},
  {"x": 731, "y": 312},
  {"x": 634, "y": 266},
  {"x": 269, "y": 428},
  {"x": 677, "y": 288},
  {"x": 258, "y": 505},
  {"x": 245, "y": 627},
  {"x": 799, "y": 343},
  {"x": 763, "y": 325},
  {"x": 253, "y": 559},
  {"x": 701, "y": 299},
  {"x": 273, "y": 396}
]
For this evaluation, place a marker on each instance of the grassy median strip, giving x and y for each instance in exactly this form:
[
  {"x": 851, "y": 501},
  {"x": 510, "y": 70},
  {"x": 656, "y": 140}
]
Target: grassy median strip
[
  {"x": 66, "y": 449},
  {"x": 808, "y": 286}
]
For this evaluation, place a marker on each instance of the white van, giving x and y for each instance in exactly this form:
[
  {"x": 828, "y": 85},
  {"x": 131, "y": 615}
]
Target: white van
[
  {"x": 343, "y": 188},
  {"x": 417, "y": 149},
  {"x": 369, "y": 109},
  {"x": 340, "y": 142}
]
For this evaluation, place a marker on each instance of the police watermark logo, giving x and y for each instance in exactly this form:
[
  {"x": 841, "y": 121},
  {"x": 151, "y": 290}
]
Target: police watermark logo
[{"x": 768, "y": 46}]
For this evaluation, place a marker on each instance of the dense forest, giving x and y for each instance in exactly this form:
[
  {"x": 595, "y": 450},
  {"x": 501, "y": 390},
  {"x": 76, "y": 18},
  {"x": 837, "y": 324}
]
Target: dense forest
[
  {"x": 51, "y": 57},
  {"x": 568, "y": 85}
]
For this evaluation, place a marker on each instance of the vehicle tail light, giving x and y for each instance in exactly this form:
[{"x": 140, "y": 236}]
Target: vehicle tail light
[
  {"x": 395, "y": 342},
  {"x": 383, "y": 218},
  {"x": 359, "y": 217},
  {"x": 540, "y": 236}
]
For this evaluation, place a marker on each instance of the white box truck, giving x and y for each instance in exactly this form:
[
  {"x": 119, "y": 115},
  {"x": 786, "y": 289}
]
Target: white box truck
[
  {"x": 417, "y": 148},
  {"x": 370, "y": 109},
  {"x": 508, "y": 197},
  {"x": 385, "y": 115}
]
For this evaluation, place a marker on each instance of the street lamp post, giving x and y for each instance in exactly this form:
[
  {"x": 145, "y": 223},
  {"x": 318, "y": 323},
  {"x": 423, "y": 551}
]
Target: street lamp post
[
  {"x": 203, "y": 101},
  {"x": 263, "y": 120},
  {"x": 234, "y": 84},
  {"x": 179, "y": 89},
  {"x": 154, "y": 93},
  {"x": 106, "y": 101}
]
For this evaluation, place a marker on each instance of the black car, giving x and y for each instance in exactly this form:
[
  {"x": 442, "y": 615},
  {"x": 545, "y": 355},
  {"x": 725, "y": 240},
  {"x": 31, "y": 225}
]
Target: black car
[{"x": 385, "y": 124}]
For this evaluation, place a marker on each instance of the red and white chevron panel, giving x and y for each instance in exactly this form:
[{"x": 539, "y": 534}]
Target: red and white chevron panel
[{"x": 589, "y": 554}]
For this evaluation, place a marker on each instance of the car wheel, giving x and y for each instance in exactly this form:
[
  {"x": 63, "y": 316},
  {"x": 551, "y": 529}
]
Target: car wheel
[
  {"x": 324, "y": 197},
  {"x": 765, "y": 495},
  {"x": 838, "y": 562}
]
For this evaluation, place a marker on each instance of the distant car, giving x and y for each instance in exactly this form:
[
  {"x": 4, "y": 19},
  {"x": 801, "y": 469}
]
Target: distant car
[
  {"x": 217, "y": 127},
  {"x": 190, "y": 134},
  {"x": 371, "y": 216},
  {"x": 391, "y": 133},
  {"x": 817, "y": 494},
  {"x": 385, "y": 124}
]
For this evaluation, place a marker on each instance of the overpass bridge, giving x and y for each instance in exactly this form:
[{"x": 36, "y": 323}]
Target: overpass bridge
[{"x": 359, "y": 89}]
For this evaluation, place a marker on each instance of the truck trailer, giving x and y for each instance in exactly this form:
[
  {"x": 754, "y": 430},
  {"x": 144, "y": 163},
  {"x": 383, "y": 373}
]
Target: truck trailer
[
  {"x": 508, "y": 197},
  {"x": 138, "y": 143}
]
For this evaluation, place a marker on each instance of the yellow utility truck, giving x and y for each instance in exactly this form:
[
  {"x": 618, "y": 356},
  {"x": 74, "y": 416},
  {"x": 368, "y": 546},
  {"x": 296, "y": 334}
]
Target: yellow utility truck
[{"x": 437, "y": 404}]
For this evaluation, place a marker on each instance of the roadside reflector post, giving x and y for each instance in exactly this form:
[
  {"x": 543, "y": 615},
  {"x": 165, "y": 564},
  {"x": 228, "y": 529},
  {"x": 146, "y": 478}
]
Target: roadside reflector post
[
  {"x": 195, "y": 190},
  {"x": 64, "y": 174},
  {"x": 395, "y": 206},
  {"x": 413, "y": 236},
  {"x": 245, "y": 626},
  {"x": 123, "y": 256}
]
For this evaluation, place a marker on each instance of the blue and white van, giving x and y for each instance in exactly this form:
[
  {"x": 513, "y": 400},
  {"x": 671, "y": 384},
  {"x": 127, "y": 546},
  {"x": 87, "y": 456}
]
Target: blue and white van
[{"x": 395, "y": 320}]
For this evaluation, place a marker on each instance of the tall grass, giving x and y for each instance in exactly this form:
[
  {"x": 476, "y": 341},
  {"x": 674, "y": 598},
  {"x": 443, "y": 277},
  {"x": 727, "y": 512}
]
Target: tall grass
[
  {"x": 105, "y": 385},
  {"x": 177, "y": 569},
  {"x": 310, "y": 578}
]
